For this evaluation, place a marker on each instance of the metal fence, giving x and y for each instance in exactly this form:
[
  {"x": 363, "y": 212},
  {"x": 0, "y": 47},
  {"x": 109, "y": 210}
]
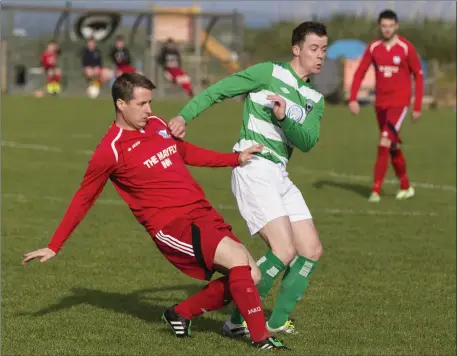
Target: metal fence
[{"x": 27, "y": 29}]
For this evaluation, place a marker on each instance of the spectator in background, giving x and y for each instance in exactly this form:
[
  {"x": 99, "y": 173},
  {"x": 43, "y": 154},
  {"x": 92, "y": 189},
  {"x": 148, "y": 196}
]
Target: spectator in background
[
  {"x": 121, "y": 57},
  {"x": 170, "y": 59},
  {"x": 92, "y": 62},
  {"x": 49, "y": 59}
]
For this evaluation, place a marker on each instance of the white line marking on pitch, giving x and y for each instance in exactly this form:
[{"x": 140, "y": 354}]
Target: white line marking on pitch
[
  {"x": 354, "y": 177},
  {"x": 351, "y": 177},
  {"x": 20, "y": 198}
]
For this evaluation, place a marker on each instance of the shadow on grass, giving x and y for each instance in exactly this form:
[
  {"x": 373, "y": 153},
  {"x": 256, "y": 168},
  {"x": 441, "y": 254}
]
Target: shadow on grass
[
  {"x": 142, "y": 304},
  {"x": 359, "y": 189}
]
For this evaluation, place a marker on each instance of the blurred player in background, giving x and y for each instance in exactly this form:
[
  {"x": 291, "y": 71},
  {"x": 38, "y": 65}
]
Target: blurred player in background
[
  {"x": 170, "y": 59},
  {"x": 92, "y": 62},
  {"x": 281, "y": 111},
  {"x": 50, "y": 66},
  {"x": 147, "y": 167},
  {"x": 394, "y": 59},
  {"x": 120, "y": 55}
]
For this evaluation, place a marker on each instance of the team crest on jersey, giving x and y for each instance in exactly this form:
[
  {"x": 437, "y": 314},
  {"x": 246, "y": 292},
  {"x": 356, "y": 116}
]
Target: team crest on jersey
[
  {"x": 163, "y": 133},
  {"x": 295, "y": 112},
  {"x": 309, "y": 106},
  {"x": 396, "y": 60}
]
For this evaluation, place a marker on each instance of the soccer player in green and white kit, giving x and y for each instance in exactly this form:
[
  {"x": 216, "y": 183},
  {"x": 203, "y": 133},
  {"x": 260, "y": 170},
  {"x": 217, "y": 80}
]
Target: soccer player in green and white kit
[{"x": 281, "y": 111}]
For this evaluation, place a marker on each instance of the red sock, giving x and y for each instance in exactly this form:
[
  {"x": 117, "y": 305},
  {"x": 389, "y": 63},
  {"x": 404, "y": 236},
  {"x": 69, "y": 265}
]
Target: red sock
[
  {"x": 399, "y": 164},
  {"x": 187, "y": 86},
  {"x": 247, "y": 300},
  {"x": 213, "y": 296},
  {"x": 380, "y": 168},
  {"x": 50, "y": 78},
  {"x": 57, "y": 78}
]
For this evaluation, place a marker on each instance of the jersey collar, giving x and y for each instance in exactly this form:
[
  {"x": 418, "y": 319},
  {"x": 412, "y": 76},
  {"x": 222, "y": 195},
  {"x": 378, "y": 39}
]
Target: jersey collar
[{"x": 300, "y": 80}]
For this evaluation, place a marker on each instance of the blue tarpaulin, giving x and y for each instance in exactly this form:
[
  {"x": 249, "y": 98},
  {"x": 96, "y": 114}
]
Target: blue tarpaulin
[{"x": 347, "y": 48}]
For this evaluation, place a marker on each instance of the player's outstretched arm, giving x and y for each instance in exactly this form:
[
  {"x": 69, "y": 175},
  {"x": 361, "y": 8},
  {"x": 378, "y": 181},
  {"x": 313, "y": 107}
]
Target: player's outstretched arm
[
  {"x": 243, "y": 82},
  {"x": 94, "y": 180},
  {"x": 201, "y": 157}
]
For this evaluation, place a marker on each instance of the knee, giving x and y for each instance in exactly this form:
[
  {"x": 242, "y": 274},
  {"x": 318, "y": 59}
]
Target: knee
[
  {"x": 256, "y": 274},
  {"x": 385, "y": 142},
  {"x": 285, "y": 252},
  {"x": 239, "y": 256},
  {"x": 309, "y": 245},
  {"x": 316, "y": 252}
]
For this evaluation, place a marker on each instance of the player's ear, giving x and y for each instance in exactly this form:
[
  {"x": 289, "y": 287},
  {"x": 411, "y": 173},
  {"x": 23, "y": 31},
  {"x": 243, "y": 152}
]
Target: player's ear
[
  {"x": 120, "y": 104},
  {"x": 296, "y": 50}
]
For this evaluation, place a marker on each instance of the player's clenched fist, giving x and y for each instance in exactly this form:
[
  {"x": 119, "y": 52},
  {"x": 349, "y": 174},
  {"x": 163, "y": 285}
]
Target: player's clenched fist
[
  {"x": 416, "y": 115},
  {"x": 354, "y": 107},
  {"x": 177, "y": 126},
  {"x": 43, "y": 254},
  {"x": 279, "y": 108},
  {"x": 248, "y": 153}
]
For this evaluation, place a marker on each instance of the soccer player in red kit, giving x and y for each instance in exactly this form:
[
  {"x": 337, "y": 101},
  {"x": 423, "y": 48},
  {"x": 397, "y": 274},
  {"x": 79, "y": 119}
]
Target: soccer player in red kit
[
  {"x": 147, "y": 167},
  {"x": 120, "y": 55},
  {"x": 394, "y": 59},
  {"x": 49, "y": 64},
  {"x": 170, "y": 59}
]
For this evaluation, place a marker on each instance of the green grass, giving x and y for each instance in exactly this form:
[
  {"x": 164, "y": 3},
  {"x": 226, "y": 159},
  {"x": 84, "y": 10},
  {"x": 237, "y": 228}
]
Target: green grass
[{"x": 385, "y": 285}]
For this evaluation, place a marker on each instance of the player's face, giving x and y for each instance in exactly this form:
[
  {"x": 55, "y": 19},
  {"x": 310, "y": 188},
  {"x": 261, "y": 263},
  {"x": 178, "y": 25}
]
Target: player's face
[
  {"x": 119, "y": 44},
  {"x": 137, "y": 110},
  {"x": 91, "y": 44},
  {"x": 388, "y": 28},
  {"x": 312, "y": 52}
]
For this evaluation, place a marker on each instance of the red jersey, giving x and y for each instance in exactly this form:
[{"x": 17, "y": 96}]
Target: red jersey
[
  {"x": 148, "y": 170},
  {"x": 393, "y": 68},
  {"x": 49, "y": 59}
]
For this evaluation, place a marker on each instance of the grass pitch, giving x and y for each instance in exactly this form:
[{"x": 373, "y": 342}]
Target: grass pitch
[{"x": 385, "y": 285}]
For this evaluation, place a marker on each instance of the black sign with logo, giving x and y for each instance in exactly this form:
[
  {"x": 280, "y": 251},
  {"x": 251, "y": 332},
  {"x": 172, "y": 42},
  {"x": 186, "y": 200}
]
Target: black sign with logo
[{"x": 97, "y": 25}]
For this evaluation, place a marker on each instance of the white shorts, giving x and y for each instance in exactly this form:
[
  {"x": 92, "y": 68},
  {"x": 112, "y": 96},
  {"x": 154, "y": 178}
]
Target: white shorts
[{"x": 263, "y": 192}]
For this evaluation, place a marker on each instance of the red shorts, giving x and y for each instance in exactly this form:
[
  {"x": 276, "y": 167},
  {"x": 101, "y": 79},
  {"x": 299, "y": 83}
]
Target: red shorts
[
  {"x": 190, "y": 242},
  {"x": 126, "y": 69},
  {"x": 390, "y": 121},
  {"x": 177, "y": 75}
]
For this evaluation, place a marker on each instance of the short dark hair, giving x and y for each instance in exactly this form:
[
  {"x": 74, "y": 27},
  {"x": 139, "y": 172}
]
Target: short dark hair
[
  {"x": 119, "y": 38},
  {"x": 388, "y": 14},
  {"x": 306, "y": 28},
  {"x": 124, "y": 85}
]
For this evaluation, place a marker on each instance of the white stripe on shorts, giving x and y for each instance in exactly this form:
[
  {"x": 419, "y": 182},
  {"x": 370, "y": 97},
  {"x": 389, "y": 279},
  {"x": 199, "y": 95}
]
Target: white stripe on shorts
[
  {"x": 175, "y": 243},
  {"x": 401, "y": 119}
]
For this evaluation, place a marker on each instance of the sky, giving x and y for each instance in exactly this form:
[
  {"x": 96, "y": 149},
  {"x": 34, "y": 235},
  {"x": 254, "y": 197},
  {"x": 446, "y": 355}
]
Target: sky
[{"x": 263, "y": 12}]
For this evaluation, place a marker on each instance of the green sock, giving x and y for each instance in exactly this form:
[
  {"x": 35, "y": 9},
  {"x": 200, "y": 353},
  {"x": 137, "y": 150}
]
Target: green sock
[
  {"x": 270, "y": 266},
  {"x": 293, "y": 285}
]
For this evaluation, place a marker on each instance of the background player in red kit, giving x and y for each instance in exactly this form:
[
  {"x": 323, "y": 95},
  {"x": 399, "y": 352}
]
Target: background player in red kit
[
  {"x": 147, "y": 167},
  {"x": 170, "y": 59},
  {"x": 394, "y": 58},
  {"x": 53, "y": 73},
  {"x": 120, "y": 55}
]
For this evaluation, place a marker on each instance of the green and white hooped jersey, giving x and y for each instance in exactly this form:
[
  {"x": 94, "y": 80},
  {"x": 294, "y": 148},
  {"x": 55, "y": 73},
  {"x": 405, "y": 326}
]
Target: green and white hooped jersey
[{"x": 304, "y": 109}]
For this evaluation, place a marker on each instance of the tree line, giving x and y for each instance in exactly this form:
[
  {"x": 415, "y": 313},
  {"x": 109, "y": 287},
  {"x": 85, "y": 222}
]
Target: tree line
[{"x": 434, "y": 39}]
